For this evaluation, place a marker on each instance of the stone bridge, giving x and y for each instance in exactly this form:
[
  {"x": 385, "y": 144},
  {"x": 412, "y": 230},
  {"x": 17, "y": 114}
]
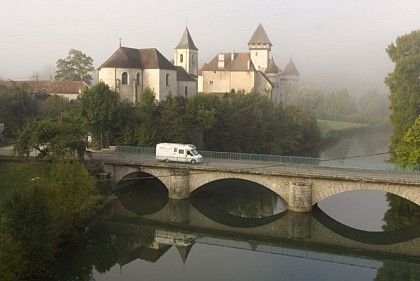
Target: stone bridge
[{"x": 301, "y": 189}]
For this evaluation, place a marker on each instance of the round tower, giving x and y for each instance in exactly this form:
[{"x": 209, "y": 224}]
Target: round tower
[{"x": 186, "y": 54}]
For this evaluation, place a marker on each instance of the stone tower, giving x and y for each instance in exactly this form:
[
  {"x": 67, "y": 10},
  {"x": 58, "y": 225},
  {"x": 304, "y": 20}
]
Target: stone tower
[
  {"x": 186, "y": 54},
  {"x": 290, "y": 81},
  {"x": 260, "y": 47}
]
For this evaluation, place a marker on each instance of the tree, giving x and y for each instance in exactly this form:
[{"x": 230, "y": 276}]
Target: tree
[
  {"x": 100, "y": 107},
  {"x": 52, "y": 137},
  {"x": 408, "y": 151},
  {"x": 404, "y": 87},
  {"x": 309, "y": 98},
  {"x": 76, "y": 67}
]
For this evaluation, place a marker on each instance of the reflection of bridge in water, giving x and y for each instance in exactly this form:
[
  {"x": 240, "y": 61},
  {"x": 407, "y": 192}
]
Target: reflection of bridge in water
[{"x": 312, "y": 236}]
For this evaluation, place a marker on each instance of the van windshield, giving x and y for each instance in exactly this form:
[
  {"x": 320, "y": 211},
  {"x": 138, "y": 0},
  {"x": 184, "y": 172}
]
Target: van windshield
[{"x": 195, "y": 152}]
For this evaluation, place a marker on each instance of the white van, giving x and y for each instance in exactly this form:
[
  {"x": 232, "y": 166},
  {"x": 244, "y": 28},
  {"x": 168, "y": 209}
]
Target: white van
[{"x": 178, "y": 152}]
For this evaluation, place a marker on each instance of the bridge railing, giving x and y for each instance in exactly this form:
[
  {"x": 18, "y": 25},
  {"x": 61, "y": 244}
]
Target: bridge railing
[{"x": 348, "y": 166}]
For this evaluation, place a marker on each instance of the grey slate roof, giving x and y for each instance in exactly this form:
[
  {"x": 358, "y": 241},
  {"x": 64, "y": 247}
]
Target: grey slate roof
[
  {"x": 186, "y": 41},
  {"x": 125, "y": 57},
  {"x": 272, "y": 67},
  {"x": 260, "y": 36},
  {"x": 182, "y": 75},
  {"x": 240, "y": 62},
  {"x": 290, "y": 68}
]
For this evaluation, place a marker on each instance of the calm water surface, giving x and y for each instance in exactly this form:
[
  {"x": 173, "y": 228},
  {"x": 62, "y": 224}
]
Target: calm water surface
[{"x": 236, "y": 230}]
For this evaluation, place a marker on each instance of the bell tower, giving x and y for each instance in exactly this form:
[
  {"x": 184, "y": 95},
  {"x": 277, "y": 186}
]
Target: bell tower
[
  {"x": 186, "y": 54},
  {"x": 260, "y": 47}
]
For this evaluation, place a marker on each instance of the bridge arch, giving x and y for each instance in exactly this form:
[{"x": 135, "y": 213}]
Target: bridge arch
[
  {"x": 324, "y": 189},
  {"x": 197, "y": 180}
]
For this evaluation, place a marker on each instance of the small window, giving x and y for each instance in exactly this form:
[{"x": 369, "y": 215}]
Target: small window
[
  {"x": 211, "y": 82},
  {"x": 256, "y": 54},
  {"x": 138, "y": 79},
  {"x": 124, "y": 78},
  {"x": 181, "y": 151},
  {"x": 175, "y": 149},
  {"x": 186, "y": 91},
  {"x": 167, "y": 79},
  {"x": 181, "y": 58}
]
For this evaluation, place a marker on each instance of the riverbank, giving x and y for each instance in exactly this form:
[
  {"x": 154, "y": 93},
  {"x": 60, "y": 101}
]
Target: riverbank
[
  {"x": 334, "y": 131},
  {"x": 45, "y": 207}
]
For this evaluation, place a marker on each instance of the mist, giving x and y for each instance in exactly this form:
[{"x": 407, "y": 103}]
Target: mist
[{"x": 334, "y": 44}]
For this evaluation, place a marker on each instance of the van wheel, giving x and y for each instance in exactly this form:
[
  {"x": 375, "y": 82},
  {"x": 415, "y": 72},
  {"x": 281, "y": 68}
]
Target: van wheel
[
  {"x": 167, "y": 160},
  {"x": 193, "y": 162}
]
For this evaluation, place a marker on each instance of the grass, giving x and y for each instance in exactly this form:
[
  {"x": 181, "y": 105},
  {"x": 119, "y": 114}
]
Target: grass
[
  {"x": 15, "y": 174},
  {"x": 330, "y": 128}
]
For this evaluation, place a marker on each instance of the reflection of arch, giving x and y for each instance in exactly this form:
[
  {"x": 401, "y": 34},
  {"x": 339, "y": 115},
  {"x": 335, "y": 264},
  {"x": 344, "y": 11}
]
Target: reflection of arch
[
  {"x": 237, "y": 187},
  {"x": 134, "y": 193},
  {"x": 234, "y": 221},
  {"x": 366, "y": 237}
]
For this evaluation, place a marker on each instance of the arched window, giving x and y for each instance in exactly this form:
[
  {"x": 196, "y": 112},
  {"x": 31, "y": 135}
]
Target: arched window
[
  {"x": 181, "y": 58},
  {"x": 124, "y": 78},
  {"x": 167, "y": 79},
  {"x": 138, "y": 79}
]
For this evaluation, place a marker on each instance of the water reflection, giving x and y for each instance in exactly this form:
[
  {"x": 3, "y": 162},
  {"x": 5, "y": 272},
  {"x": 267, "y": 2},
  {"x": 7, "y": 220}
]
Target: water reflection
[{"x": 182, "y": 240}]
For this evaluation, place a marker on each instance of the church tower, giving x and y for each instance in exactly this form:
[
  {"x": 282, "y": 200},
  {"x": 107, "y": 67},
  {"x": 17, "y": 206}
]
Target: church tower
[
  {"x": 186, "y": 54},
  {"x": 260, "y": 47}
]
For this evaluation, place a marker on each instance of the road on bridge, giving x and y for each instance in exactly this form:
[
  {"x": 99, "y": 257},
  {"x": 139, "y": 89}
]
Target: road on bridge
[{"x": 405, "y": 177}]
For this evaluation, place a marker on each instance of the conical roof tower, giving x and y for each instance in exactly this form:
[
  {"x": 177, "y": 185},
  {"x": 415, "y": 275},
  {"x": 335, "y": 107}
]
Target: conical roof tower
[{"x": 186, "y": 53}]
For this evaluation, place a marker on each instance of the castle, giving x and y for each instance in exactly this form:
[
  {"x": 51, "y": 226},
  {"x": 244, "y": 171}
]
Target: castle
[{"x": 130, "y": 71}]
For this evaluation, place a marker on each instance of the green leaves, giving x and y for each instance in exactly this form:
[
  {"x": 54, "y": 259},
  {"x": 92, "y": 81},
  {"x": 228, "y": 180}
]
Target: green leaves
[
  {"x": 76, "y": 67},
  {"x": 404, "y": 86}
]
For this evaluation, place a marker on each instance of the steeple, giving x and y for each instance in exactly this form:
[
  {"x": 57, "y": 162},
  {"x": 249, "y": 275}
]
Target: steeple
[
  {"x": 186, "y": 53},
  {"x": 260, "y": 47},
  {"x": 186, "y": 41},
  {"x": 259, "y": 39},
  {"x": 290, "y": 69}
]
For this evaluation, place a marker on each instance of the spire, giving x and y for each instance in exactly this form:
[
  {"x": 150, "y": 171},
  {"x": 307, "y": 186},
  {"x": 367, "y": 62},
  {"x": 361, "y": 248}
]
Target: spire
[
  {"x": 186, "y": 41},
  {"x": 260, "y": 36},
  {"x": 290, "y": 68},
  {"x": 272, "y": 67}
]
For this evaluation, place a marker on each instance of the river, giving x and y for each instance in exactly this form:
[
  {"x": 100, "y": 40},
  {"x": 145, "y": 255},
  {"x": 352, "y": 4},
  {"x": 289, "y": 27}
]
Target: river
[{"x": 236, "y": 230}]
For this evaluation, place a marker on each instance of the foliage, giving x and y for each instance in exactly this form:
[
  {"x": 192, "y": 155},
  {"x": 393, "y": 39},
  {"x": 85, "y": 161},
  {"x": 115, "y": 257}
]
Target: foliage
[
  {"x": 53, "y": 106},
  {"x": 51, "y": 138},
  {"x": 43, "y": 213},
  {"x": 310, "y": 98},
  {"x": 76, "y": 67},
  {"x": 15, "y": 107},
  {"x": 404, "y": 86},
  {"x": 338, "y": 105},
  {"x": 100, "y": 108},
  {"x": 408, "y": 152}
]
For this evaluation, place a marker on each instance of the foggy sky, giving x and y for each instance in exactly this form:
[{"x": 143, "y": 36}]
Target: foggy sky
[{"x": 334, "y": 44}]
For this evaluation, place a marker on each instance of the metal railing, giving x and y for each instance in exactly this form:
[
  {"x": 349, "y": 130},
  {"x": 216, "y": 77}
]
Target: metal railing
[{"x": 308, "y": 165}]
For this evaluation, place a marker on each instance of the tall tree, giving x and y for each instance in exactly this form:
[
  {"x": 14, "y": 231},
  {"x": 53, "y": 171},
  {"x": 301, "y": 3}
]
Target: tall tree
[
  {"x": 404, "y": 86},
  {"x": 76, "y": 67},
  {"x": 100, "y": 108}
]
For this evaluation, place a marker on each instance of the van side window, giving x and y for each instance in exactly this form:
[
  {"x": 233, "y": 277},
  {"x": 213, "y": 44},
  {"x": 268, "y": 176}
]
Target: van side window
[
  {"x": 181, "y": 151},
  {"x": 175, "y": 149}
]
